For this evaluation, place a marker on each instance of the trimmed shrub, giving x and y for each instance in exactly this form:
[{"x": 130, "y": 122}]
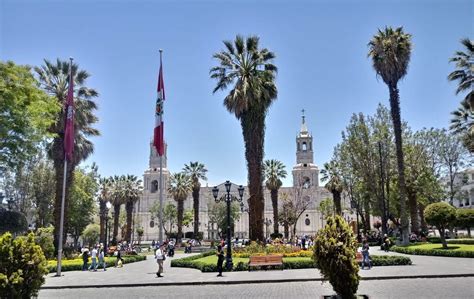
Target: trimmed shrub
[
  {"x": 335, "y": 255},
  {"x": 435, "y": 252},
  {"x": 22, "y": 266},
  {"x": 276, "y": 235},
  {"x": 288, "y": 263},
  {"x": 461, "y": 241},
  {"x": 465, "y": 219},
  {"x": 441, "y": 215}
]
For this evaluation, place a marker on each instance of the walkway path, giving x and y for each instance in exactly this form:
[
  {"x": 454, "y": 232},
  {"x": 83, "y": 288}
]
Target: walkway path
[{"x": 143, "y": 273}]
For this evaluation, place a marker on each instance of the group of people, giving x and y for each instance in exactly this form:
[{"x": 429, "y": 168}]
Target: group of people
[{"x": 97, "y": 255}]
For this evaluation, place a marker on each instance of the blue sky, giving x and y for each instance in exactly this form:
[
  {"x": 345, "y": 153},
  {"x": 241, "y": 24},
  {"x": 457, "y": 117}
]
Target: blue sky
[{"x": 321, "y": 49}]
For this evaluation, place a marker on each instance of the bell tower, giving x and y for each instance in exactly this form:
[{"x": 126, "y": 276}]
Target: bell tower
[{"x": 305, "y": 172}]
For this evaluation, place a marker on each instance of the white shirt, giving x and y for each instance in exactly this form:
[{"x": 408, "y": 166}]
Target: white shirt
[
  {"x": 159, "y": 254},
  {"x": 94, "y": 253}
]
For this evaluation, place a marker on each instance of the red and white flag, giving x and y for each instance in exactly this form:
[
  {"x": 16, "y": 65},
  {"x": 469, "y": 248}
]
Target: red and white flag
[
  {"x": 158, "y": 140},
  {"x": 69, "y": 121}
]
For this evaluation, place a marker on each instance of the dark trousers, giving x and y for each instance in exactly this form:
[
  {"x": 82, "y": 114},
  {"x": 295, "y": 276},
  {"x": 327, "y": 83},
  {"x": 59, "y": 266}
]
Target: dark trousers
[{"x": 219, "y": 265}]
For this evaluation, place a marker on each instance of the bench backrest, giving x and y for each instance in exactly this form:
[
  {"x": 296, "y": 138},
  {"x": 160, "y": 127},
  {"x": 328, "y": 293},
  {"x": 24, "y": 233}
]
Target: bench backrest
[
  {"x": 258, "y": 259},
  {"x": 274, "y": 258}
]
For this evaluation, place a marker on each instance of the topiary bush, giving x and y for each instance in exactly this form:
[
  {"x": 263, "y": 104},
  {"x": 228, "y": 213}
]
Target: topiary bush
[
  {"x": 465, "y": 219},
  {"x": 335, "y": 250},
  {"x": 22, "y": 266},
  {"x": 13, "y": 222},
  {"x": 441, "y": 215}
]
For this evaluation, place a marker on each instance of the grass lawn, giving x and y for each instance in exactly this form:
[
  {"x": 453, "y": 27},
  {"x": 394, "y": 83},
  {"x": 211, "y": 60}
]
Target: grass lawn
[{"x": 451, "y": 247}]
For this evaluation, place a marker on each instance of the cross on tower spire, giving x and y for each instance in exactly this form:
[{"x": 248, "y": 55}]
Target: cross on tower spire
[{"x": 302, "y": 111}]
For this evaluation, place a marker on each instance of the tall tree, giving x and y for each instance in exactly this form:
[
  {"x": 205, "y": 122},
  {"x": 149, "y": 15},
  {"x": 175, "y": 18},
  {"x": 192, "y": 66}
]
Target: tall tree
[
  {"x": 390, "y": 52},
  {"x": 331, "y": 175},
  {"x": 462, "y": 124},
  {"x": 132, "y": 192},
  {"x": 105, "y": 185},
  {"x": 83, "y": 192},
  {"x": 196, "y": 171},
  {"x": 54, "y": 79},
  {"x": 274, "y": 172},
  {"x": 27, "y": 113},
  {"x": 43, "y": 188},
  {"x": 249, "y": 73},
  {"x": 179, "y": 187},
  {"x": 117, "y": 199}
]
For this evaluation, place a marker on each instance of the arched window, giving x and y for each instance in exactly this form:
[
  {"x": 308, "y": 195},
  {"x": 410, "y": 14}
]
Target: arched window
[
  {"x": 306, "y": 183},
  {"x": 154, "y": 186},
  {"x": 304, "y": 147}
]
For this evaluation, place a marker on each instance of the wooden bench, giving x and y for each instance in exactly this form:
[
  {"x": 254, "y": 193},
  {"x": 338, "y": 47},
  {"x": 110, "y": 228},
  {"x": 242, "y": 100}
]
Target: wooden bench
[{"x": 265, "y": 261}]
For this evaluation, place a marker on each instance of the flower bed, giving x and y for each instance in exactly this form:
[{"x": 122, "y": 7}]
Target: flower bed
[
  {"x": 76, "y": 264},
  {"x": 207, "y": 262},
  {"x": 457, "y": 250}
]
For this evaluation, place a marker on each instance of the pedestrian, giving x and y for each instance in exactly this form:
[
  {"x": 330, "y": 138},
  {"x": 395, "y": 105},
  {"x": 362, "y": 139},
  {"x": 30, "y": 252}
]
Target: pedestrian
[
  {"x": 85, "y": 258},
  {"x": 365, "y": 255},
  {"x": 220, "y": 259},
  {"x": 386, "y": 243},
  {"x": 102, "y": 258},
  {"x": 119, "y": 259},
  {"x": 160, "y": 258},
  {"x": 94, "y": 259}
]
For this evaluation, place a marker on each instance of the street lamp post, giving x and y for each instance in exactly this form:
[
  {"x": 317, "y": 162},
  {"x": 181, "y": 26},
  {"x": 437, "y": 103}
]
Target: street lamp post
[{"x": 228, "y": 199}]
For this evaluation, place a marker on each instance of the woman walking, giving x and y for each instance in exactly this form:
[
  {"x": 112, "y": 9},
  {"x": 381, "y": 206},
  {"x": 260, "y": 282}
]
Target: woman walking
[{"x": 160, "y": 257}]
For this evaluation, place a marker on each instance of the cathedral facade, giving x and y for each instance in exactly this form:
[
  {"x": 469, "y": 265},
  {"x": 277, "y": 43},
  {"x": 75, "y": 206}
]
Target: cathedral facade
[{"x": 305, "y": 185}]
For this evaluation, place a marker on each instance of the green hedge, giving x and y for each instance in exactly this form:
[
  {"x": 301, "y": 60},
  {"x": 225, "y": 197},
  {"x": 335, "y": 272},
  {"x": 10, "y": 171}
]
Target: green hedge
[
  {"x": 437, "y": 240},
  {"x": 76, "y": 265},
  {"x": 288, "y": 263},
  {"x": 434, "y": 252}
]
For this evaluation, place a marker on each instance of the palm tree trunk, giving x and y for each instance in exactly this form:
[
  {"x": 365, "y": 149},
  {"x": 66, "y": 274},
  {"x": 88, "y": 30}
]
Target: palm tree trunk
[
  {"x": 180, "y": 219},
  {"x": 286, "y": 229},
  {"x": 101, "y": 221},
  {"x": 336, "y": 195},
  {"x": 415, "y": 227},
  {"x": 397, "y": 125},
  {"x": 274, "y": 196},
  {"x": 196, "y": 211},
  {"x": 253, "y": 128},
  {"x": 129, "y": 210},
  {"x": 116, "y": 223}
]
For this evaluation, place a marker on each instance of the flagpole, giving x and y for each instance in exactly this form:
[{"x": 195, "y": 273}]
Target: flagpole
[
  {"x": 160, "y": 234},
  {"x": 61, "y": 223}
]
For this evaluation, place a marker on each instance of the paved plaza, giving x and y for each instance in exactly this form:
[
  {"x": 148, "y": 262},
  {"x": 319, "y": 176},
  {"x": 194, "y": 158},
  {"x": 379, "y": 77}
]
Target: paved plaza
[
  {"x": 458, "y": 288},
  {"x": 143, "y": 274}
]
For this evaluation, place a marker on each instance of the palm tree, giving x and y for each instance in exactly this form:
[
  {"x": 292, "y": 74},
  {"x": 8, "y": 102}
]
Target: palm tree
[
  {"x": 117, "y": 198},
  {"x": 274, "y": 172},
  {"x": 54, "y": 79},
  {"x": 390, "y": 52},
  {"x": 179, "y": 187},
  {"x": 249, "y": 73},
  {"x": 196, "y": 171},
  {"x": 464, "y": 72},
  {"x": 334, "y": 184},
  {"x": 104, "y": 196},
  {"x": 132, "y": 192},
  {"x": 463, "y": 118}
]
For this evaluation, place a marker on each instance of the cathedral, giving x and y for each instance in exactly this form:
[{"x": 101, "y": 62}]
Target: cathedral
[{"x": 305, "y": 185}]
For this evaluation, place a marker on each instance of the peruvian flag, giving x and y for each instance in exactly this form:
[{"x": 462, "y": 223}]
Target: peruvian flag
[
  {"x": 69, "y": 123},
  {"x": 158, "y": 140}
]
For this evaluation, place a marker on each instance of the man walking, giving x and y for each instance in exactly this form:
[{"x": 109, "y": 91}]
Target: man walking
[
  {"x": 160, "y": 257},
  {"x": 102, "y": 258},
  {"x": 220, "y": 259},
  {"x": 94, "y": 259}
]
